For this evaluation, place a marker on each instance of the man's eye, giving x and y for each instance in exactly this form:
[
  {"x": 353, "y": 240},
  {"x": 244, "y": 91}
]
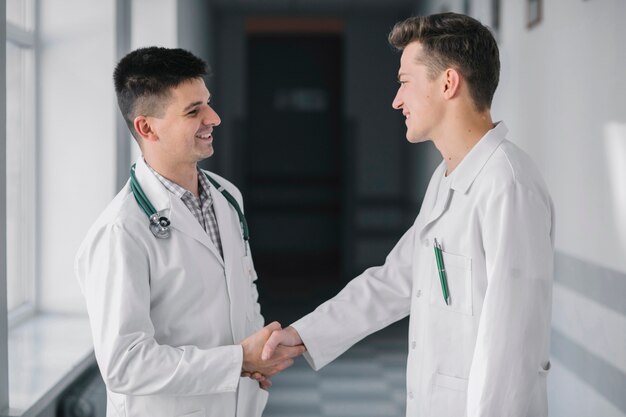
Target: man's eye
[{"x": 192, "y": 113}]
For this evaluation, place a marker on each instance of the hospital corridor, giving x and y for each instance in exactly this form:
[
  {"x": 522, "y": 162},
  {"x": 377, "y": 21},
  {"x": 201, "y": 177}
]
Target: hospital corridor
[{"x": 179, "y": 175}]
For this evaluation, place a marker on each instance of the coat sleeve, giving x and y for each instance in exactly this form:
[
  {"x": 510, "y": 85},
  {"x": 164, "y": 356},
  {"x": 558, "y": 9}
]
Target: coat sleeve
[
  {"x": 371, "y": 301},
  {"x": 513, "y": 335},
  {"x": 113, "y": 271}
]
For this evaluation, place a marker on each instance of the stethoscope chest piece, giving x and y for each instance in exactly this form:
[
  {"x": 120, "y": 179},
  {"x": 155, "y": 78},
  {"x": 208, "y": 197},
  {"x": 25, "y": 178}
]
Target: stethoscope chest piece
[{"x": 160, "y": 226}]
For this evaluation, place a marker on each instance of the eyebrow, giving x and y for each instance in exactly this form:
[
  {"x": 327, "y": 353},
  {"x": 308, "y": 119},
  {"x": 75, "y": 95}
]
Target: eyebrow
[
  {"x": 191, "y": 106},
  {"x": 194, "y": 104}
]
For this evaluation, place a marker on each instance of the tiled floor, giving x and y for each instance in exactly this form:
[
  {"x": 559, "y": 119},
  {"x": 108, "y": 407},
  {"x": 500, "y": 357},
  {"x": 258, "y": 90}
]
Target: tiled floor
[{"x": 366, "y": 381}]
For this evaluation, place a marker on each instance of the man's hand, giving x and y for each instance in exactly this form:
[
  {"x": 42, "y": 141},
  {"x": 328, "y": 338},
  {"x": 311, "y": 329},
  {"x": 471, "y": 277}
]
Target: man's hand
[
  {"x": 263, "y": 381},
  {"x": 279, "y": 361},
  {"x": 281, "y": 339}
]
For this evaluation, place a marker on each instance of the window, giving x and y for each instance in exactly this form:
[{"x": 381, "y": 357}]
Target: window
[{"x": 20, "y": 156}]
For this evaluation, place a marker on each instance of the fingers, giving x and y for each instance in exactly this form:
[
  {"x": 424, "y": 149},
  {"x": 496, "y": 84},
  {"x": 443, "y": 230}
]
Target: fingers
[
  {"x": 281, "y": 366},
  {"x": 284, "y": 352},
  {"x": 273, "y": 326},
  {"x": 265, "y": 384},
  {"x": 252, "y": 346},
  {"x": 287, "y": 336},
  {"x": 272, "y": 343}
]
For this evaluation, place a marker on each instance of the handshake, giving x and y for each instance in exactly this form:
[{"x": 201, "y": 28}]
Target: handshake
[{"x": 270, "y": 351}]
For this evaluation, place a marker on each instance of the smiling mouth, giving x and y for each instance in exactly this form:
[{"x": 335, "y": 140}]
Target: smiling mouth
[{"x": 204, "y": 136}]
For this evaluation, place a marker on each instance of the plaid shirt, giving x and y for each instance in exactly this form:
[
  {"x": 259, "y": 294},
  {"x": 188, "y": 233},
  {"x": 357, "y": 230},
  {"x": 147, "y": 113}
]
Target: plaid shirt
[{"x": 201, "y": 208}]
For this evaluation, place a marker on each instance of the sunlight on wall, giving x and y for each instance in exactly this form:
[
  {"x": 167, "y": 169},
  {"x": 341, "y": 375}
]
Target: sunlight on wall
[{"x": 615, "y": 147}]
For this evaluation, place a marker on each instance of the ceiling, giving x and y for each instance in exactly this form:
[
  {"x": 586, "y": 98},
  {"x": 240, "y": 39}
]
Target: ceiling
[{"x": 313, "y": 6}]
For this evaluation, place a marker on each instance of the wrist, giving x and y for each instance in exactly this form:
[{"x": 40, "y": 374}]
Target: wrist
[{"x": 294, "y": 336}]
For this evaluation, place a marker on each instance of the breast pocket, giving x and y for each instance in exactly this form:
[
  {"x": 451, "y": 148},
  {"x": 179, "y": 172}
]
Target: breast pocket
[{"x": 458, "y": 272}]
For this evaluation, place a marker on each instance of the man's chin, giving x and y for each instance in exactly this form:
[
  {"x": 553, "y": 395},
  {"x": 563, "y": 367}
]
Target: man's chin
[
  {"x": 206, "y": 154},
  {"x": 414, "y": 139}
]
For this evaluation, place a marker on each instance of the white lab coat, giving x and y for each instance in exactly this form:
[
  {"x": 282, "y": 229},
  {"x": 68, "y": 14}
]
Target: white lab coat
[
  {"x": 167, "y": 314},
  {"x": 486, "y": 354}
]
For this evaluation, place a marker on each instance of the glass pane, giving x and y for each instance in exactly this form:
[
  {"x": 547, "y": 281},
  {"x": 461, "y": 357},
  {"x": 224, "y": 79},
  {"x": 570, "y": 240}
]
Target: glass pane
[
  {"x": 21, "y": 13},
  {"x": 20, "y": 176}
]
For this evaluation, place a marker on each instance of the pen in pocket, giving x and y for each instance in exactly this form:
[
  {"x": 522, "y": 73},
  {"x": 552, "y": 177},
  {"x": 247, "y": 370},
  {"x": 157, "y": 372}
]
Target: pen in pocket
[{"x": 442, "y": 273}]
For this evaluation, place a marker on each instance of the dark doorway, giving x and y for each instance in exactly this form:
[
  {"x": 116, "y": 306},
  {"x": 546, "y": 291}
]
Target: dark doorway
[{"x": 293, "y": 172}]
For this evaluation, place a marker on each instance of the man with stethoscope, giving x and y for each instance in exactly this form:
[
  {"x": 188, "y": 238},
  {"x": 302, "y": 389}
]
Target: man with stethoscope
[
  {"x": 474, "y": 272},
  {"x": 166, "y": 269}
]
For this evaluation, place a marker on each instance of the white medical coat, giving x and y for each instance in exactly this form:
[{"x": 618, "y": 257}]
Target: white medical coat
[
  {"x": 485, "y": 354},
  {"x": 167, "y": 314}
]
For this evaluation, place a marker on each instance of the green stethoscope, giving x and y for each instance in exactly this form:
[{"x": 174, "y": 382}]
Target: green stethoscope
[{"x": 160, "y": 225}]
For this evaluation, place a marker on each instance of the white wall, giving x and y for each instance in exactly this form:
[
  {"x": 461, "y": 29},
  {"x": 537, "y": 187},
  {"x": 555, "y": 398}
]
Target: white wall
[
  {"x": 154, "y": 23},
  {"x": 77, "y": 142},
  {"x": 567, "y": 107},
  {"x": 76, "y": 138}
]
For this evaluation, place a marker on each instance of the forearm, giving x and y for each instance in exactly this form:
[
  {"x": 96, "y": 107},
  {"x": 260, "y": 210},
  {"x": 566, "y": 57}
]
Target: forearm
[
  {"x": 147, "y": 368},
  {"x": 369, "y": 303}
]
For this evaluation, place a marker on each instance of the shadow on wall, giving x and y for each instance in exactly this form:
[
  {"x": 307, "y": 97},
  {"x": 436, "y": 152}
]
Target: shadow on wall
[{"x": 588, "y": 340}]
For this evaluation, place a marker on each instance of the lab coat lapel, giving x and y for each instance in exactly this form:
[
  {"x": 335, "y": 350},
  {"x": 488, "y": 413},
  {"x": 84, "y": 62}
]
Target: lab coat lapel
[
  {"x": 464, "y": 176},
  {"x": 429, "y": 213},
  {"x": 440, "y": 207},
  {"x": 185, "y": 222},
  {"x": 224, "y": 223},
  {"x": 181, "y": 218}
]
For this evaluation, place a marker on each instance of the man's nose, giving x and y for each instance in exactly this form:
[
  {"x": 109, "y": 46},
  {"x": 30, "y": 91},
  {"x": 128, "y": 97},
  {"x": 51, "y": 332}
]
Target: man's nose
[
  {"x": 397, "y": 102},
  {"x": 211, "y": 117}
]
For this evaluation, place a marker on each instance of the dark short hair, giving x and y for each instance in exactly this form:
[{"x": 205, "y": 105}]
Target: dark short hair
[
  {"x": 452, "y": 40},
  {"x": 144, "y": 79}
]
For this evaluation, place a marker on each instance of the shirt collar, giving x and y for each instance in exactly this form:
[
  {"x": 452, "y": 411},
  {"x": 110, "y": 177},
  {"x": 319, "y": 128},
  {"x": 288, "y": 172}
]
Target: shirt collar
[
  {"x": 179, "y": 191},
  {"x": 467, "y": 171}
]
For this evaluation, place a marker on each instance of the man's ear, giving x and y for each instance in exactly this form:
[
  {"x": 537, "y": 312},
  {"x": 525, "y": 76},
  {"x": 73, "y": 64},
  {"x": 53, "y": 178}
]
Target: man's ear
[
  {"x": 144, "y": 129},
  {"x": 452, "y": 83}
]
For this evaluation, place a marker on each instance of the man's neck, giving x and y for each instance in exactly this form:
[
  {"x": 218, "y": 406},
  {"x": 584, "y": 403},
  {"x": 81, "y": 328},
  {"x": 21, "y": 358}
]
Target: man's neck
[
  {"x": 459, "y": 136},
  {"x": 185, "y": 175}
]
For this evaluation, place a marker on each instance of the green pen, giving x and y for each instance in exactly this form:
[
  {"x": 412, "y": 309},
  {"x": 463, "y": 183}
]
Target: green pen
[{"x": 442, "y": 273}]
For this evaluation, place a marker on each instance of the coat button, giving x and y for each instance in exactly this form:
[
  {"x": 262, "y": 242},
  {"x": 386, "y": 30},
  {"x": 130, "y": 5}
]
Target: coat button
[
  {"x": 413, "y": 345},
  {"x": 410, "y": 395},
  {"x": 418, "y": 293}
]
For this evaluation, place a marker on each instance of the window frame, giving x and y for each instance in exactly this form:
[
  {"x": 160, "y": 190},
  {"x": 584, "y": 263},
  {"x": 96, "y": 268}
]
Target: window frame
[{"x": 26, "y": 38}]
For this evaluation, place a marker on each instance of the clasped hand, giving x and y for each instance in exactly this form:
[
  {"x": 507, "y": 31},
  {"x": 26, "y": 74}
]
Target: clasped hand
[{"x": 264, "y": 355}]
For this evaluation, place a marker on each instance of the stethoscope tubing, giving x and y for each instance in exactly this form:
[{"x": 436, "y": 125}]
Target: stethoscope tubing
[{"x": 160, "y": 225}]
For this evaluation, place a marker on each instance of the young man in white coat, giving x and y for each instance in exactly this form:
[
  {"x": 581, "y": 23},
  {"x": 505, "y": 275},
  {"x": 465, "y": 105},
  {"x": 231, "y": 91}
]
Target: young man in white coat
[
  {"x": 166, "y": 270},
  {"x": 479, "y": 329}
]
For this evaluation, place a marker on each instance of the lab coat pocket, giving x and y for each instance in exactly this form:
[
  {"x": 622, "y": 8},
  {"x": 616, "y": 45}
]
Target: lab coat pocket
[
  {"x": 458, "y": 270},
  {"x": 448, "y": 396}
]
